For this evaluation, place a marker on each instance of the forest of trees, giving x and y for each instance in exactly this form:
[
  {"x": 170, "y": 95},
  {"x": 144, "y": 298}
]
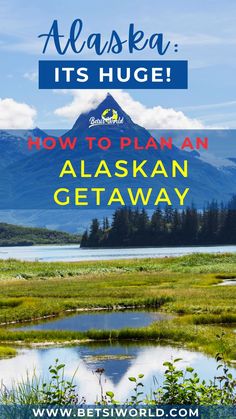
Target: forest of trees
[
  {"x": 14, "y": 235},
  {"x": 215, "y": 224}
]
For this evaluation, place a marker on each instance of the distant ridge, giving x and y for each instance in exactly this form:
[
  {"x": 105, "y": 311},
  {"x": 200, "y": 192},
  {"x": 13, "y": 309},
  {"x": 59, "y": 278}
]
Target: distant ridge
[{"x": 14, "y": 235}]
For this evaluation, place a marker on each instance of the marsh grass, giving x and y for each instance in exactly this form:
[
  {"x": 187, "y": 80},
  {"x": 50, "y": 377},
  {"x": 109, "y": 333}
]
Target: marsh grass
[
  {"x": 6, "y": 352},
  {"x": 22, "y": 392},
  {"x": 183, "y": 285}
]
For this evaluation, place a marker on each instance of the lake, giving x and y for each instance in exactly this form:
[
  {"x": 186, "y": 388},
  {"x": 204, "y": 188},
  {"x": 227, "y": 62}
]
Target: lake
[
  {"x": 73, "y": 253},
  {"x": 119, "y": 362},
  {"x": 100, "y": 321}
]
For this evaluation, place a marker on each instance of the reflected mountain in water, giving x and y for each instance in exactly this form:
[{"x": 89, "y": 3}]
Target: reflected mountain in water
[{"x": 147, "y": 359}]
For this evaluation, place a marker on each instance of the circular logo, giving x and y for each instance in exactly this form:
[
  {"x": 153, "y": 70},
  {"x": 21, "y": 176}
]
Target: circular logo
[{"x": 109, "y": 115}]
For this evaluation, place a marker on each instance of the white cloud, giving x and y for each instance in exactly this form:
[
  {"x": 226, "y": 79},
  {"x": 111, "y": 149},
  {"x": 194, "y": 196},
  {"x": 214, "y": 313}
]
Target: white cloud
[
  {"x": 210, "y": 106},
  {"x": 16, "y": 115},
  {"x": 155, "y": 117},
  {"x": 32, "y": 76}
]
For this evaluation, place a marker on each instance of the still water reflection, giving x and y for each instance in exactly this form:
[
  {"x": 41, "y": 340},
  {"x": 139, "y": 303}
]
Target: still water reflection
[
  {"x": 100, "y": 320},
  {"x": 119, "y": 362}
]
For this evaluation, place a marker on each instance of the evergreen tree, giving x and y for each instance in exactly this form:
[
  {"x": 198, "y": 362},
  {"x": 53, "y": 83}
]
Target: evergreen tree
[
  {"x": 95, "y": 233},
  {"x": 189, "y": 226},
  {"x": 120, "y": 228},
  {"x": 156, "y": 228},
  {"x": 132, "y": 227},
  {"x": 85, "y": 239}
]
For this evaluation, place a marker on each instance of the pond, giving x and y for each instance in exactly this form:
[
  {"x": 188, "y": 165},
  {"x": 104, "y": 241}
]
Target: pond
[
  {"x": 119, "y": 361},
  {"x": 71, "y": 253},
  {"x": 226, "y": 282},
  {"x": 100, "y": 320}
]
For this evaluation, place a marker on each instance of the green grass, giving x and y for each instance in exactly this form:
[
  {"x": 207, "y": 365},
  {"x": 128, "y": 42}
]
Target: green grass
[
  {"x": 184, "y": 285},
  {"x": 6, "y": 352}
]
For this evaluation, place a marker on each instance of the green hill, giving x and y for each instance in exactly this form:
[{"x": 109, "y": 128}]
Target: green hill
[{"x": 14, "y": 235}]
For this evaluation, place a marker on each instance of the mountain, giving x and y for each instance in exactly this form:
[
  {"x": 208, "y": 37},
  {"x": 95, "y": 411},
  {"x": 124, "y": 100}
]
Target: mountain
[
  {"x": 13, "y": 144},
  {"x": 84, "y": 120},
  {"x": 34, "y": 178},
  {"x": 70, "y": 221}
]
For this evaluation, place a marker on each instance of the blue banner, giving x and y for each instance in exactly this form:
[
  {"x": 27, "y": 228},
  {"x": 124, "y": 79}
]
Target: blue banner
[
  {"x": 113, "y": 74},
  {"x": 110, "y": 411},
  {"x": 105, "y": 161}
]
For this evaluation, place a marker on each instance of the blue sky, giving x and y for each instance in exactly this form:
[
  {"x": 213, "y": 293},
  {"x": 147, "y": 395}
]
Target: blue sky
[{"x": 205, "y": 31}]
